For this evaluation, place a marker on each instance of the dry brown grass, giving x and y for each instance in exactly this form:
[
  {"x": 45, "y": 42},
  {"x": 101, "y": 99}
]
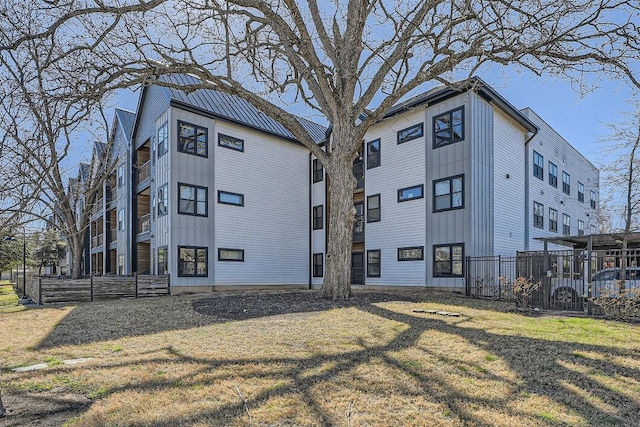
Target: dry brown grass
[{"x": 157, "y": 362}]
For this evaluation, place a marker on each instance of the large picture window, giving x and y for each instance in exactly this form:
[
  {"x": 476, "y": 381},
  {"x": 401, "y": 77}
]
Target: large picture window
[
  {"x": 373, "y": 208},
  {"x": 163, "y": 200},
  {"x": 231, "y": 142},
  {"x": 318, "y": 265},
  {"x": 192, "y": 261},
  {"x": 448, "y": 127},
  {"x": 411, "y": 133},
  {"x": 411, "y": 193},
  {"x": 192, "y": 200},
  {"x": 192, "y": 139},
  {"x": 448, "y": 260},
  {"x": 317, "y": 217},
  {"x": 373, "y": 154},
  {"x": 538, "y": 165},
  {"x": 448, "y": 193},
  {"x": 373, "y": 263},
  {"x": 163, "y": 139},
  {"x": 538, "y": 215}
]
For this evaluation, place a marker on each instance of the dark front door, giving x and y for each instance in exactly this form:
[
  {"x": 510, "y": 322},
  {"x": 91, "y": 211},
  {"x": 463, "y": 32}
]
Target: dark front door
[{"x": 357, "y": 268}]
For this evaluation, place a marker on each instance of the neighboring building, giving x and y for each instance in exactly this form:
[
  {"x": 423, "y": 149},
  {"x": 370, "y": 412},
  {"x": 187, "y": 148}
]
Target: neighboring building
[{"x": 218, "y": 194}]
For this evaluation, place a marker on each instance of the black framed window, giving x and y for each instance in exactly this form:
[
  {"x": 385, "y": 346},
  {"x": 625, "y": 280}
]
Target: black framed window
[
  {"x": 163, "y": 263},
  {"x": 448, "y": 127},
  {"x": 317, "y": 217},
  {"x": 538, "y": 165},
  {"x": 566, "y": 183},
  {"x": 411, "y": 133},
  {"x": 538, "y": 215},
  {"x": 413, "y": 253},
  {"x": 192, "y": 200},
  {"x": 566, "y": 225},
  {"x": 593, "y": 199},
  {"x": 163, "y": 200},
  {"x": 580, "y": 227},
  {"x": 553, "y": 175},
  {"x": 373, "y": 154},
  {"x": 192, "y": 261},
  {"x": 226, "y": 254},
  {"x": 163, "y": 139},
  {"x": 373, "y": 263},
  {"x": 318, "y": 170},
  {"x": 411, "y": 193},
  {"x": 318, "y": 265},
  {"x": 121, "y": 174},
  {"x": 192, "y": 139},
  {"x": 580, "y": 192},
  {"x": 373, "y": 208},
  {"x": 231, "y": 142},
  {"x": 553, "y": 220},
  {"x": 227, "y": 198},
  {"x": 448, "y": 193},
  {"x": 448, "y": 260}
]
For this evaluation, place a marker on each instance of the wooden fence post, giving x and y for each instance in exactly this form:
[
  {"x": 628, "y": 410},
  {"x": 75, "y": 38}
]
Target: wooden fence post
[
  {"x": 39, "y": 290},
  {"x": 91, "y": 277},
  {"x": 136, "y": 276}
]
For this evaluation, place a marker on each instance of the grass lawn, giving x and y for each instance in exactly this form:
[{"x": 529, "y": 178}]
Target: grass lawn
[
  {"x": 161, "y": 362},
  {"x": 8, "y": 298}
]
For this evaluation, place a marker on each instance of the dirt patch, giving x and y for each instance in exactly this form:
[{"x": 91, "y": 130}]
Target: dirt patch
[
  {"x": 48, "y": 408},
  {"x": 250, "y": 305}
]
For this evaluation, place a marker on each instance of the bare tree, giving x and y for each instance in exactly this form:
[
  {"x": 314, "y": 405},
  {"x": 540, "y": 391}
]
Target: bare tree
[{"x": 348, "y": 60}]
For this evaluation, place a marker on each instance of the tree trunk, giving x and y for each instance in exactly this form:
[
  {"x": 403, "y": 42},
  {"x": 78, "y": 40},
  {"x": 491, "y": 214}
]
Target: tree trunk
[
  {"x": 2, "y": 408},
  {"x": 337, "y": 279},
  {"x": 76, "y": 246}
]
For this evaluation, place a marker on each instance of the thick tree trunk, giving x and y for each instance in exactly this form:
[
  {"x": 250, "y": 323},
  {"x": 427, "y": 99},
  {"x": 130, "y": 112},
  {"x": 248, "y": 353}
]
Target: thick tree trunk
[{"x": 76, "y": 246}]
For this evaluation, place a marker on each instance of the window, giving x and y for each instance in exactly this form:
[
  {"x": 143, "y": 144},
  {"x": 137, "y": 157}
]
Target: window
[
  {"x": 163, "y": 139},
  {"x": 448, "y": 127},
  {"x": 566, "y": 183},
  {"x": 553, "y": 175},
  {"x": 192, "y": 200},
  {"x": 580, "y": 227},
  {"x": 230, "y": 254},
  {"x": 317, "y": 217},
  {"x": 373, "y": 154},
  {"x": 121, "y": 174},
  {"x": 121, "y": 219},
  {"x": 227, "y": 198},
  {"x": 318, "y": 265},
  {"x": 413, "y": 253},
  {"x": 538, "y": 215},
  {"x": 592, "y": 229},
  {"x": 163, "y": 265},
  {"x": 192, "y": 139},
  {"x": 593, "y": 199},
  {"x": 317, "y": 171},
  {"x": 373, "y": 263},
  {"x": 410, "y": 133},
  {"x": 230, "y": 142},
  {"x": 192, "y": 261},
  {"x": 580, "y": 192},
  {"x": 410, "y": 193},
  {"x": 553, "y": 220},
  {"x": 566, "y": 225},
  {"x": 163, "y": 200},
  {"x": 121, "y": 265},
  {"x": 538, "y": 165},
  {"x": 448, "y": 193},
  {"x": 448, "y": 260},
  {"x": 373, "y": 208}
]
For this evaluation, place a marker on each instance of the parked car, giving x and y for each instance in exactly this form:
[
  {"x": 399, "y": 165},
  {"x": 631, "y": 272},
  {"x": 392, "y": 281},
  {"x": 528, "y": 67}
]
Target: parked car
[{"x": 606, "y": 281}]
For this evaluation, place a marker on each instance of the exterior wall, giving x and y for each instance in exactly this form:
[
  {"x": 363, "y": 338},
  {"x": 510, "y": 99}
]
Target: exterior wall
[
  {"x": 123, "y": 200},
  {"x": 556, "y": 149},
  {"x": 318, "y": 245}
]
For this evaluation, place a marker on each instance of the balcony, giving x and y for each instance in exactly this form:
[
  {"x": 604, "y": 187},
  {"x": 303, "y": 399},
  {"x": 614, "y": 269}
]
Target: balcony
[
  {"x": 144, "y": 171},
  {"x": 358, "y": 229},
  {"x": 98, "y": 206},
  {"x": 358, "y": 173},
  {"x": 144, "y": 224},
  {"x": 97, "y": 241}
]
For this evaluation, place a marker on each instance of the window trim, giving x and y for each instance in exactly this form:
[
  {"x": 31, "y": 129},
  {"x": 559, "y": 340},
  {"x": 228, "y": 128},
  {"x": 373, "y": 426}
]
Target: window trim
[
  {"x": 420, "y": 186},
  {"x": 206, "y": 204},
  {"x": 369, "y": 273},
  {"x": 580, "y": 193},
  {"x": 538, "y": 170},
  {"x": 402, "y": 259},
  {"x": 369, "y": 220},
  {"x": 166, "y": 258},
  {"x": 450, "y": 208},
  {"x": 593, "y": 199},
  {"x": 121, "y": 174},
  {"x": 121, "y": 211},
  {"x": 538, "y": 219},
  {"x": 241, "y": 251},
  {"x": 164, "y": 199},
  {"x": 552, "y": 221},
  {"x": 163, "y": 149},
  {"x": 316, "y": 266},
  {"x": 450, "y": 246},
  {"x": 378, "y": 155},
  {"x": 566, "y": 233},
  {"x": 318, "y": 220},
  {"x": 317, "y": 173},
  {"x": 552, "y": 175},
  {"x": 197, "y": 248},
  {"x": 233, "y": 138},
  {"x": 580, "y": 227},
  {"x": 401, "y": 140},
  {"x": 221, "y": 192},
  {"x": 195, "y": 148},
  {"x": 452, "y": 139},
  {"x": 566, "y": 186}
]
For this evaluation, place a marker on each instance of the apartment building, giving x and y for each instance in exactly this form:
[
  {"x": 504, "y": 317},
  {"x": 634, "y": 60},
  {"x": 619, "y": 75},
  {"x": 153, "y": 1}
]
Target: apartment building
[{"x": 215, "y": 193}]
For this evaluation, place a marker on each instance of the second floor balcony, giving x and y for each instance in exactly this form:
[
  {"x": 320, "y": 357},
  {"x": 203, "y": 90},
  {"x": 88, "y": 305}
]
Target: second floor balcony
[
  {"x": 144, "y": 171},
  {"x": 97, "y": 241},
  {"x": 113, "y": 235},
  {"x": 144, "y": 223}
]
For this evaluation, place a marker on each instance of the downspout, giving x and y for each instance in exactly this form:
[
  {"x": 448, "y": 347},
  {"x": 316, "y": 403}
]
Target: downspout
[{"x": 310, "y": 220}]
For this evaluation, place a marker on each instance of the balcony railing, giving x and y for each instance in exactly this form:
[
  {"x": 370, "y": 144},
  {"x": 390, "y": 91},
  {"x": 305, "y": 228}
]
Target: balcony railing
[
  {"x": 113, "y": 235},
  {"x": 358, "y": 172},
  {"x": 144, "y": 171},
  {"x": 358, "y": 229},
  {"x": 98, "y": 206},
  {"x": 144, "y": 223},
  {"x": 97, "y": 241}
]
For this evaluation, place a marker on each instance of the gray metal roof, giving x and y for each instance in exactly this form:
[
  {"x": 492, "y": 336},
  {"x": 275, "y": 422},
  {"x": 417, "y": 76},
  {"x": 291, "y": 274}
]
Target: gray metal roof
[
  {"x": 126, "y": 119},
  {"x": 233, "y": 108},
  {"x": 598, "y": 241}
]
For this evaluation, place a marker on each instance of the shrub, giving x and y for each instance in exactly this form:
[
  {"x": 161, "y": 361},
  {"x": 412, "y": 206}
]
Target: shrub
[{"x": 619, "y": 302}]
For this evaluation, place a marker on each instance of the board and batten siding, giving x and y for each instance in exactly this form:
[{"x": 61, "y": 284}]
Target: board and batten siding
[
  {"x": 402, "y": 224},
  {"x": 162, "y": 173},
  {"x": 273, "y": 225},
  {"x": 123, "y": 199},
  {"x": 318, "y": 245},
  {"x": 553, "y": 147},
  {"x": 509, "y": 185},
  {"x": 154, "y": 104}
]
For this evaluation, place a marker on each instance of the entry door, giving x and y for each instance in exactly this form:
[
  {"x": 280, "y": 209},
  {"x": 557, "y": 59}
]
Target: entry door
[{"x": 357, "y": 268}]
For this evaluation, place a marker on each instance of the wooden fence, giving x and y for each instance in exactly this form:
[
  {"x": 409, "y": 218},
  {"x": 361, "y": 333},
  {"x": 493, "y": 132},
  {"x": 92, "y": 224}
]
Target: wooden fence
[{"x": 57, "y": 290}]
